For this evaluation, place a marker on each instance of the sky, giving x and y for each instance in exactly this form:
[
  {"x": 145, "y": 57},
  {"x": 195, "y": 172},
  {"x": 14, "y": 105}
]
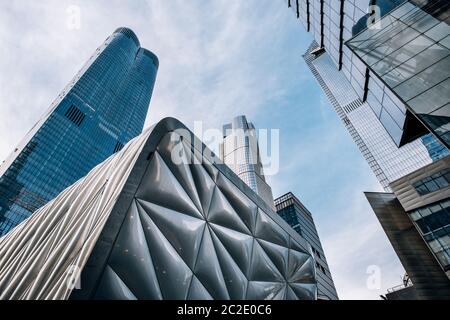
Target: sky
[{"x": 218, "y": 59}]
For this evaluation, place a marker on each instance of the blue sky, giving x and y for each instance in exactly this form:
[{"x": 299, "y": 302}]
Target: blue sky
[{"x": 217, "y": 60}]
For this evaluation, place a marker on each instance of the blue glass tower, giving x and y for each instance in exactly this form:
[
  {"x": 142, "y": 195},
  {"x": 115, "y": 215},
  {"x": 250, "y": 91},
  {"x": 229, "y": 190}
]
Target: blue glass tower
[{"x": 99, "y": 111}]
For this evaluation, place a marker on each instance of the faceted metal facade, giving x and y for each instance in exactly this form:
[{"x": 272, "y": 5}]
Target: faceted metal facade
[
  {"x": 145, "y": 226},
  {"x": 100, "y": 110}
]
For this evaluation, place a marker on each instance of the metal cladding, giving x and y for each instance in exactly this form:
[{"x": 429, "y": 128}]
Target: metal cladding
[{"x": 142, "y": 225}]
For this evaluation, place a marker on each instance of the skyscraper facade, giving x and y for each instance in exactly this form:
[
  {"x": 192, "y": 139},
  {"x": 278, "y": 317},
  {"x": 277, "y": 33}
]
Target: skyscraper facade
[
  {"x": 100, "y": 110},
  {"x": 424, "y": 262},
  {"x": 358, "y": 95},
  {"x": 388, "y": 161},
  {"x": 425, "y": 196},
  {"x": 408, "y": 52},
  {"x": 240, "y": 151},
  {"x": 300, "y": 219},
  {"x": 384, "y": 66}
]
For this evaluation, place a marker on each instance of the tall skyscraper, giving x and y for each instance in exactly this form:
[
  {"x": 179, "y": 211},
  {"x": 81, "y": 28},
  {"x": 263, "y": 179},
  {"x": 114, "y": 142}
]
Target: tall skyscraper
[
  {"x": 300, "y": 219},
  {"x": 407, "y": 51},
  {"x": 388, "y": 161},
  {"x": 372, "y": 113},
  {"x": 384, "y": 65},
  {"x": 240, "y": 151},
  {"x": 100, "y": 110}
]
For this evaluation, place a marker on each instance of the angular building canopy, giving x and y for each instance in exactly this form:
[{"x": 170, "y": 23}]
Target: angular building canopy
[
  {"x": 429, "y": 279},
  {"x": 161, "y": 219}
]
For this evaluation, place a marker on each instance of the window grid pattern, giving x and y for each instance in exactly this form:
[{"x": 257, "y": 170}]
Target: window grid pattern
[
  {"x": 106, "y": 103},
  {"x": 339, "y": 97},
  {"x": 411, "y": 54},
  {"x": 339, "y": 27},
  {"x": 433, "y": 183},
  {"x": 386, "y": 160},
  {"x": 433, "y": 222}
]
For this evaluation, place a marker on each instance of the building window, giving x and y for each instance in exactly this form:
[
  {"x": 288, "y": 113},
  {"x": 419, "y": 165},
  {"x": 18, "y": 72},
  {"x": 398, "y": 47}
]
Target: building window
[
  {"x": 75, "y": 115},
  {"x": 433, "y": 222},
  {"x": 118, "y": 147},
  {"x": 433, "y": 183}
]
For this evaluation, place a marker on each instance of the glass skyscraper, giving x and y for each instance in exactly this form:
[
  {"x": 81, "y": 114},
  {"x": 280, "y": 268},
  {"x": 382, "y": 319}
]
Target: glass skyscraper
[
  {"x": 384, "y": 65},
  {"x": 408, "y": 51},
  {"x": 240, "y": 151},
  {"x": 300, "y": 219},
  {"x": 371, "y": 112},
  {"x": 100, "y": 110},
  {"x": 388, "y": 161}
]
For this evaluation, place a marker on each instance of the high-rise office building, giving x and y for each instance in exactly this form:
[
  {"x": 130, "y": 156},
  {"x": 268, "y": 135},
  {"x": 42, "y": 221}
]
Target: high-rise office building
[
  {"x": 385, "y": 158},
  {"x": 240, "y": 151},
  {"x": 100, "y": 110},
  {"x": 373, "y": 114},
  {"x": 142, "y": 226},
  {"x": 407, "y": 51},
  {"x": 384, "y": 66},
  {"x": 300, "y": 219}
]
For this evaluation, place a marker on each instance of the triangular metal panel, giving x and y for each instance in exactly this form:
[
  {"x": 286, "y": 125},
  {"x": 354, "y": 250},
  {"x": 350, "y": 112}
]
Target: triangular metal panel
[
  {"x": 111, "y": 287},
  {"x": 262, "y": 268},
  {"x": 238, "y": 245},
  {"x": 268, "y": 230},
  {"x": 221, "y": 213},
  {"x": 204, "y": 184},
  {"x": 131, "y": 259},
  {"x": 301, "y": 267},
  {"x": 207, "y": 165},
  {"x": 183, "y": 232},
  {"x": 260, "y": 290},
  {"x": 177, "y": 158},
  {"x": 208, "y": 270},
  {"x": 197, "y": 291},
  {"x": 160, "y": 186},
  {"x": 246, "y": 209},
  {"x": 234, "y": 278},
  {"x": 278, "y": 255},
  {"x": 290, "y": 294},
  {"x": 297, "y": 247},
  {"x": 174, "y": 276},
  {"x": 304, "y": 291}
]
